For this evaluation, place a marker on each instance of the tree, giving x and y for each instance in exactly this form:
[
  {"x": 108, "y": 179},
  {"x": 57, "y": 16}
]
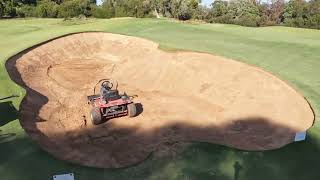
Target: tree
[
  {"x": 25, "y": 2},
  {"x": 108, "y": 8},
  {"x": 294, "y": 9},
  {"x": 219, "y": 8},
  {"x": 47, "y": 8},
  {"x": 272, "y": 13},
  {"x": 314, "y": 7},
  {"x": 27, "y": 11},
  {"x": 277, "y": 10},
  {"x": 312, "y": 14},
  {"x": 219, "y": 12},
  {"x": 131, "y": 8},
  {"x": 244, "y": 12},
  {"x": 162, "y": 7},
  {"x": 193, "y": 5},
  {"x": 1, "y": 8},
  {"x": 183, "y": 9},
  {"x": 73, "y": 8},
  {"x": 98, "y": 12},
  {"x": 295, "y": 13},
  {"x": 241, "y": 8},
  {"x": 202, "y": 13},
  {"x": 9, "y": 8}
]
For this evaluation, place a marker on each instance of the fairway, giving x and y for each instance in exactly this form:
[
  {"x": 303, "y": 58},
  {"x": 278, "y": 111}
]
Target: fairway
[{"x": 289, "y": 53}]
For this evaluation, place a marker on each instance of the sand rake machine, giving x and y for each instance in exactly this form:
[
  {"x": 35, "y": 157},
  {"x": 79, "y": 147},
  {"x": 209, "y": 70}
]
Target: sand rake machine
[{"x": 109, "y": 103}]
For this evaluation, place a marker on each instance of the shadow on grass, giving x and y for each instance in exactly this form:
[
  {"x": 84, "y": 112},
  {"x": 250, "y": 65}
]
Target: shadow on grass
[
  {"x": 237, "y": 168},
  {"x": 12, "y": 96},
  {"x": 8, "y": 113},
  {"x": 299, "y": 161}
]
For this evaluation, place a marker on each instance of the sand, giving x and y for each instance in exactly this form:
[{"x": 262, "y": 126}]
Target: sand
[{"x": 181, "y": 97}]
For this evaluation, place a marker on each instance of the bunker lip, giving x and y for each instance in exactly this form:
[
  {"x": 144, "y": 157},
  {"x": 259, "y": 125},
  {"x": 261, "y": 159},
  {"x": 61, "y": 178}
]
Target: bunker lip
[{"x": 182, "y": 97}]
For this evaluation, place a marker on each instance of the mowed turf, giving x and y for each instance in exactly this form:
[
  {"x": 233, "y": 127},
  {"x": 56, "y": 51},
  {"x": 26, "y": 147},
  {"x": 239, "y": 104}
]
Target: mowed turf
[{"x": 290, "y": 53}]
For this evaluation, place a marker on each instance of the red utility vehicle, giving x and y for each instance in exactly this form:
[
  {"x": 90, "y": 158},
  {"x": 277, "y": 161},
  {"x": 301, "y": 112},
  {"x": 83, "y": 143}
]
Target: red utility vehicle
[{"x": 109, "y": 103}]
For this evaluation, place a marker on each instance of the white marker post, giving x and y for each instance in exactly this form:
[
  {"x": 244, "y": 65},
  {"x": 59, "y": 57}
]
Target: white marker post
[
  {"x": 300, "y": 136},
  {"x": 69, "y": 176}
]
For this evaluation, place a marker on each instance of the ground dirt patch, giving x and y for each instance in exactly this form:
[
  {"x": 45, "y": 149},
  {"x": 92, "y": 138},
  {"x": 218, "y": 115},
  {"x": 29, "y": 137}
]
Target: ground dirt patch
[{"x": 182, "y": 96}]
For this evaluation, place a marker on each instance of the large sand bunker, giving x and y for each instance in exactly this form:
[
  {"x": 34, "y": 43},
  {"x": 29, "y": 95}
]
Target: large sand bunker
[{"x": 183, "y": 96}]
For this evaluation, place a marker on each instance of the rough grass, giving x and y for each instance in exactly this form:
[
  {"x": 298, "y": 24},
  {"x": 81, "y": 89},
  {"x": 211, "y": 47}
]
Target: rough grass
[{"x": 290, "y": 53}]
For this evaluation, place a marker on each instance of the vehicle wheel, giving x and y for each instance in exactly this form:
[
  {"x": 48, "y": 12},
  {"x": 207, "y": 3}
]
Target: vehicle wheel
[
  {"x": 132, "y": 110},
  {"x": 96, "y": 117}
]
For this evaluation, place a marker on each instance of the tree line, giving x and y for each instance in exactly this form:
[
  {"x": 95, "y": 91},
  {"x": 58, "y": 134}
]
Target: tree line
[{"x": 296, "y": 13}]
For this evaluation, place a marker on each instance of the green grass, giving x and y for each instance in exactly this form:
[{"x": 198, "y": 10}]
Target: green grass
[{"x": 290, "y": 53}]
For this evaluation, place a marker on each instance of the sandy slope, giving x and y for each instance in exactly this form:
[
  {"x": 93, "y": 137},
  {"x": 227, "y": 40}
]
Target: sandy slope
[{"x": 184, "y": 96}]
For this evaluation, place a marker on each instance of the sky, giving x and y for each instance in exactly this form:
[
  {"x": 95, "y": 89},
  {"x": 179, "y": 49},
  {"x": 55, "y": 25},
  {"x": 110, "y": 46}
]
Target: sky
[
  {"x": 204, "y": 2},
  {"x": 99, "y": 2}
]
